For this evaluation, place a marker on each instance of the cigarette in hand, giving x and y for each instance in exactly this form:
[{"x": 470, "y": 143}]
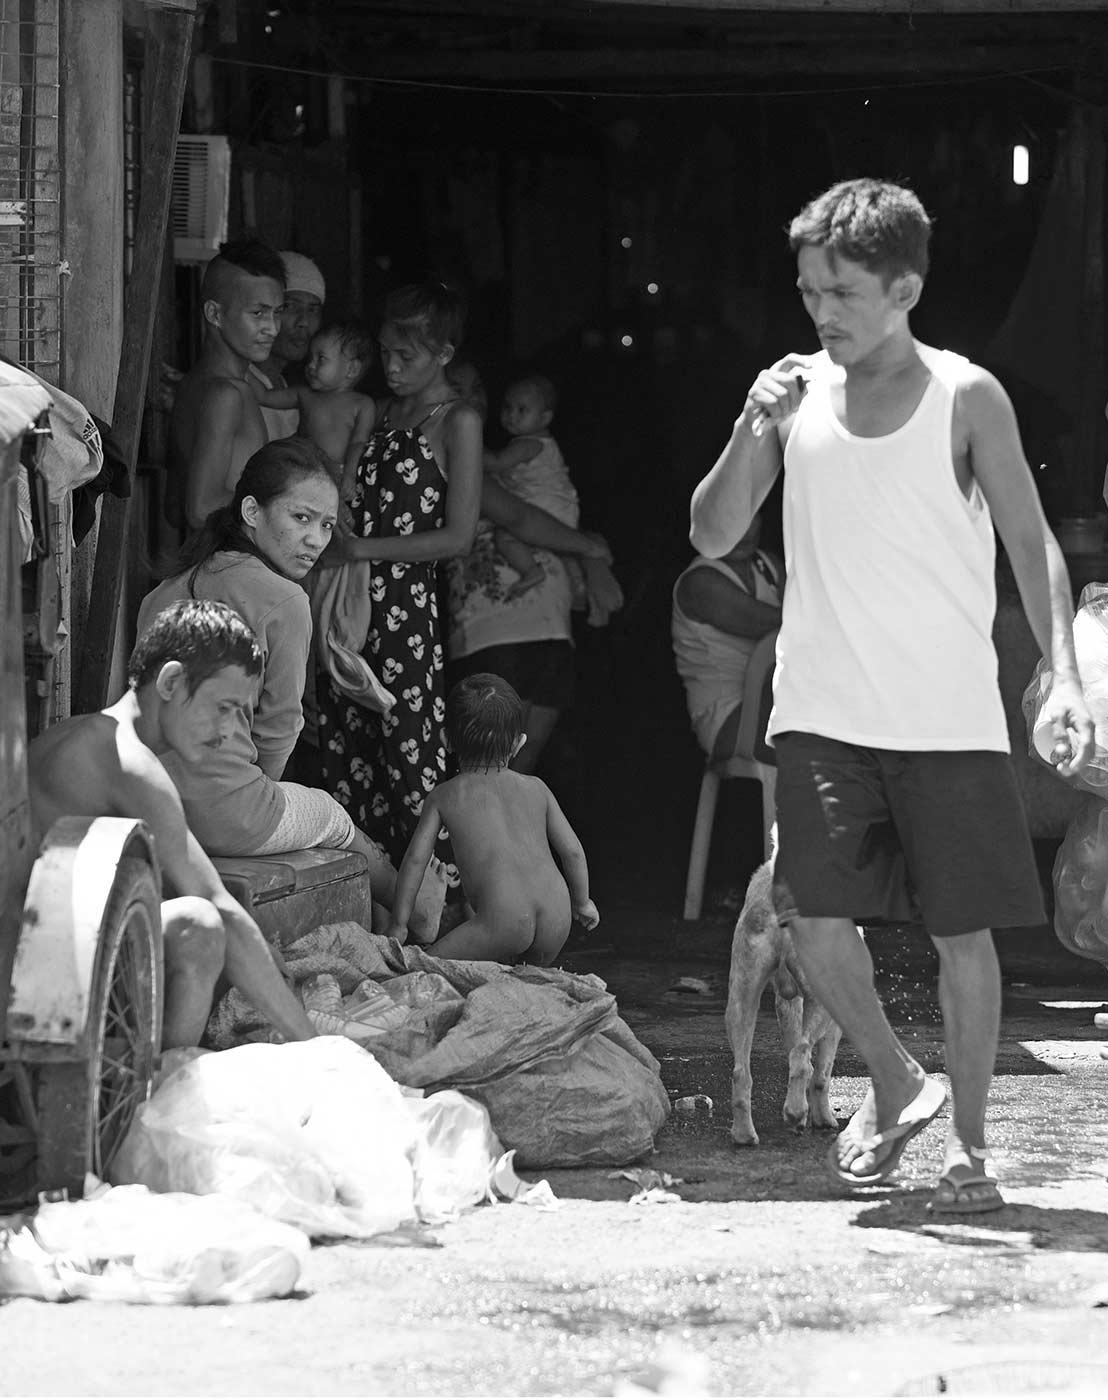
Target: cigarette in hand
[{"x": 762, "y": 419}]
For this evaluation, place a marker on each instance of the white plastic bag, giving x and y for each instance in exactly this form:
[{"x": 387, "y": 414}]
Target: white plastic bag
[
  {"x": 456, "y": 1152},
  {"x": 1090, "y": 644},
  {"x": 1081, "y": 882},
  {"x": 315, "y": 1134},
  {"x": 127, "y": 1244}
]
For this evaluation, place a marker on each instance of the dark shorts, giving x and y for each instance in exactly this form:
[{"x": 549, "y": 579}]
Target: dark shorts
[
  {"x": 877, "y": 835},
  {"x": 541, "y": 672}
]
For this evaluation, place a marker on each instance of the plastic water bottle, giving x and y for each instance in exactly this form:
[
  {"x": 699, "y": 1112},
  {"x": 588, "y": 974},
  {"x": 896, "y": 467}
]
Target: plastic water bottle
[{"x": 321, "y": 993}]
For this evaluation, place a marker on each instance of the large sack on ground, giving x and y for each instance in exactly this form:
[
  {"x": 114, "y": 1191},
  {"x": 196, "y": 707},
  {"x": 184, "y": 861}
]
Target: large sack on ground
[{"x": 564, "y": 1079}]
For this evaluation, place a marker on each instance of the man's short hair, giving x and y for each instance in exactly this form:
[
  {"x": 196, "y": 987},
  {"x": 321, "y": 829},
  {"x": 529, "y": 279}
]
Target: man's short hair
[
  {"x": 249, "y": 255},
  {"x": 203, "y": 635},
  {"x": 542, "y": 386},
  {"x": 875, "y": 223},
  {"x": 484, "y": 719}
]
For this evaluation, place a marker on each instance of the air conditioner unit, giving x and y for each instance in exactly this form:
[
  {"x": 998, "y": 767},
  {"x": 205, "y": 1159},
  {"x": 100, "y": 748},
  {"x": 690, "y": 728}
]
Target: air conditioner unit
[{"x": 200, "y": 195}]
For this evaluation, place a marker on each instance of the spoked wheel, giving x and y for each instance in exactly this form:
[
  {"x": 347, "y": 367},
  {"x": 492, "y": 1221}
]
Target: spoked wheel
[
  {"x": 17, "y": 1136},
  {"x": 85, "y": 1108}
]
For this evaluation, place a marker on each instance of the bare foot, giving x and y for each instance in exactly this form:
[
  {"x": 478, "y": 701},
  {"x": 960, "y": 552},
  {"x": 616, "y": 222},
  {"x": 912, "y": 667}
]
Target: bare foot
[
  {"x": 531, "y": 579},
  {"x": 870, "y": 1119}
]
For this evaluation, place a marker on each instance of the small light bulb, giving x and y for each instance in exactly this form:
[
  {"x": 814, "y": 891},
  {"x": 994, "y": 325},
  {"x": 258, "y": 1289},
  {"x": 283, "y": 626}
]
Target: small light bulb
[
  {"x": 652, "y": 288},
  {"x": 1021, "y": 165},
  {"x": 625, "y": 242},
  {"x": 627, "y": 341}
]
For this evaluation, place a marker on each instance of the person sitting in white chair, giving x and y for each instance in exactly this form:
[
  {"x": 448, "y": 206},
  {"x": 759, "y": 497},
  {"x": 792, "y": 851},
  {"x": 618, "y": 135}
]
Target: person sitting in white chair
[
  {"x": 726, "y": 613},
  {"x": 721, "y": 608}
]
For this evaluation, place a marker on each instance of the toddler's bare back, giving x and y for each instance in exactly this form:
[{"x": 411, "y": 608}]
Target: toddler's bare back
[{"x": 498, "y": 827}]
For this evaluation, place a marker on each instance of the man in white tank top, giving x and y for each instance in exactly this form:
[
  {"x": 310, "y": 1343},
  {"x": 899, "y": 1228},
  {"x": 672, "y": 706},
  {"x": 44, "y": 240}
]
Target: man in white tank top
[{"x": 895, "y": 794}]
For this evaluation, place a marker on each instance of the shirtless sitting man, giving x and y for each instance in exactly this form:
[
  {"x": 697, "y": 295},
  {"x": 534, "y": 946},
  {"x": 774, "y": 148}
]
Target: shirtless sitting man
[
  {"x": 192, "y": 670},
  {"x": 217, "y": 425}
]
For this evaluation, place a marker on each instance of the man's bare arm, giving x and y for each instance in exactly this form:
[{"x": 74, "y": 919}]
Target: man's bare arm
[
  {"x": 218, "y": 421},
  {"x": 706, "y": 596},
  {"x": 729, "y": 497},
  {"x": 1002, "y": 472},
  {"x": 147, "y": 792}
]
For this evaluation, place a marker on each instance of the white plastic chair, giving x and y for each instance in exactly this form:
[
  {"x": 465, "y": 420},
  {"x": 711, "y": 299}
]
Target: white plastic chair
[{"x": 742, "y": 764}]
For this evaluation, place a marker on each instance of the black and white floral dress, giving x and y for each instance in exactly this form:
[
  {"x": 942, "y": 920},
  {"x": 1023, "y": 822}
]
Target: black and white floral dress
[{"x": 382, "y": 767}]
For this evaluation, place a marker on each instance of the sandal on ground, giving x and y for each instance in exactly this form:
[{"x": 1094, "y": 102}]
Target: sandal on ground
[
  {"x": 967, "y": 1195},
  {"x": 924, "y": 1108}
]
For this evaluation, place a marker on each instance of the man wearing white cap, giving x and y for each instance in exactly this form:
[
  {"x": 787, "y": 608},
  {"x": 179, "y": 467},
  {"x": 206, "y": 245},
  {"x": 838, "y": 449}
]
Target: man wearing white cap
[{"x": 301, "y": 316}]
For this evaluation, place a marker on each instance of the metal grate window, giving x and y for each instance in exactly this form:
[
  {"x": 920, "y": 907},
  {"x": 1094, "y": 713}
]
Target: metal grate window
[{"x": 30, "y": 186}]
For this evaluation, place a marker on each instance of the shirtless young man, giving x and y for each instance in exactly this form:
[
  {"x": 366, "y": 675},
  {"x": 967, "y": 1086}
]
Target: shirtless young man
[
  {"x": 217, "y": 425},
  {"x": 506, "y": 829},
  {"x": 895, "y": 795},
  {"x": 192, "y": 671}
]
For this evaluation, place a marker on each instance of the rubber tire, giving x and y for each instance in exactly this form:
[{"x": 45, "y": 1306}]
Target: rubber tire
[{"x": 68, "y": 1094}]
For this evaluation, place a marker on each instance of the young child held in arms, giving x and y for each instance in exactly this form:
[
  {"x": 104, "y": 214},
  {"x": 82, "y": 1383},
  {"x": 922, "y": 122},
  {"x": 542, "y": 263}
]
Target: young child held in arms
[
  {"x": 531, "y": 466},
  {"x": 333, "y": 414},
  {"x": 506, "y": 829}
]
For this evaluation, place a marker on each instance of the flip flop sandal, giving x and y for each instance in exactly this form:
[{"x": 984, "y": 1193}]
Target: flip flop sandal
[
  {"x": 968, "y": 1195},
  {"x": 924, "y": 1108}
]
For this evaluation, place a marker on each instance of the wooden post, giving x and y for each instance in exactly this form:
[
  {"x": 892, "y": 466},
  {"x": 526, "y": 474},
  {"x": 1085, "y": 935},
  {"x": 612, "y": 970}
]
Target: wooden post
[{"x": 170, "y": 75}]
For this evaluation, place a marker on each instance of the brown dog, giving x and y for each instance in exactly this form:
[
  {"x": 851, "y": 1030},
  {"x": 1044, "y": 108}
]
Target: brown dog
[{"x": 763, "y": 949}]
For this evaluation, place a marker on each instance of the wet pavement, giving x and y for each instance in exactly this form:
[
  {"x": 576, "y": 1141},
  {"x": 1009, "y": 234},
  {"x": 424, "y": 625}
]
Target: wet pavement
[{"x": 762, "y": 1278}]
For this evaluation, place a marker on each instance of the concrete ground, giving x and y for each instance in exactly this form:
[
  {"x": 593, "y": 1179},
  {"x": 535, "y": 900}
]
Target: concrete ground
[{"x": 762, "y": 1279}]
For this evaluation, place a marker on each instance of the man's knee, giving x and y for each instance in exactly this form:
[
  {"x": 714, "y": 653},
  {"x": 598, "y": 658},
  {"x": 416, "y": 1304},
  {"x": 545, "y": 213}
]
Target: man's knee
[
  {"x": 194, "y": 937},
  {"x": 813, "y": 930},
  {"x": 974, "y": 949}
]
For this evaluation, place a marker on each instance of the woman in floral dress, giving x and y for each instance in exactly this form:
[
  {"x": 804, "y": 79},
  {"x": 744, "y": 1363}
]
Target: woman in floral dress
[{"x": 415, "y": 502}]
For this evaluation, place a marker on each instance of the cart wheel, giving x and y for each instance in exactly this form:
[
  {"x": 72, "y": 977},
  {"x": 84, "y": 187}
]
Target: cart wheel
[{"x": 85, "y": 1108}]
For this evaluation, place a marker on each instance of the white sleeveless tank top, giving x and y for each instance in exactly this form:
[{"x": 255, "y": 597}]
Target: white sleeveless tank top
[
  {"x": 713, "y": 663},
  {"x": 886, "y": 633}
]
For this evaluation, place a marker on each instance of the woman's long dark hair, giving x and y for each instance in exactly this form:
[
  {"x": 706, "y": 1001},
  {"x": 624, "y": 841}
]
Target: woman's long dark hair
[{"x": 272, "y": 471}]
